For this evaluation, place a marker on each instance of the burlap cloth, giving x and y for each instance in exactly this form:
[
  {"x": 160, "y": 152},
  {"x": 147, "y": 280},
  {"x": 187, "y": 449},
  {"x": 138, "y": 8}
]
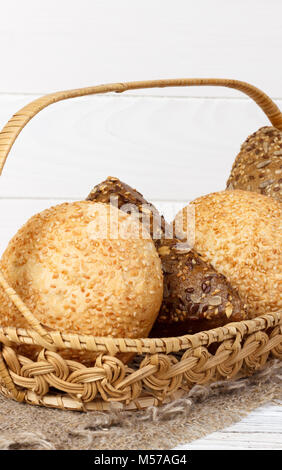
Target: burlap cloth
[{"x": 202, "y": 411}]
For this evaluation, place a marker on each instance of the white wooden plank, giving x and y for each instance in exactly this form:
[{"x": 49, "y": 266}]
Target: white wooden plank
[
  {"x": 52, "y": 45},
  {"x": 15, "y": 212},
  {"x": 260, "y": 429},
  {"x": 266, "y": 419},
  {"x": 246, "y": 441},
  {"x": 169, "y": 148}
]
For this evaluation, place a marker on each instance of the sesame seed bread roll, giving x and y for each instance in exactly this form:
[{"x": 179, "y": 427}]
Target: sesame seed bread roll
[
  {"x": 239, "y": 233},
  {"x": 258, "y": 166},
  {"x": 75, "y": 277}
]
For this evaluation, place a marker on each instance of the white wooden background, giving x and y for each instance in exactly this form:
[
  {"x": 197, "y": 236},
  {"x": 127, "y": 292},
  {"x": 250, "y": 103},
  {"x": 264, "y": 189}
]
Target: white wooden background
[{"x": 172, "y": 144}]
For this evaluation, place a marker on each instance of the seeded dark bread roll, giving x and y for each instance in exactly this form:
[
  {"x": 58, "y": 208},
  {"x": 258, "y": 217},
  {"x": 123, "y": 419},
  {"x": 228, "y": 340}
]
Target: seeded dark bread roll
[
  {"x": 258, "y": 166},
  {"x": 196, "y": 296},
  {"x": 114, "y": 191}
]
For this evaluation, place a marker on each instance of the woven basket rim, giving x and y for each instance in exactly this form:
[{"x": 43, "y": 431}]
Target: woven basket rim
[{"x": 75, "y": 341}]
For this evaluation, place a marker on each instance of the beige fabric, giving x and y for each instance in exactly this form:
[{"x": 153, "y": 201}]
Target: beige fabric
[{"x": 202, "y": 411}]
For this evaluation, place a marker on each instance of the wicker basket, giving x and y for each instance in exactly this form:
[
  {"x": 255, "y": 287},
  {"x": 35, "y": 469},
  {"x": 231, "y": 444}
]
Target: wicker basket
[{"x": 163, "y": 369}]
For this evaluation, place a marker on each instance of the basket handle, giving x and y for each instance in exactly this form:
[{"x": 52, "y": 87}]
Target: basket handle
[
  {"x": 14, "y": 126},
  {"x": 18, "y": 121}
]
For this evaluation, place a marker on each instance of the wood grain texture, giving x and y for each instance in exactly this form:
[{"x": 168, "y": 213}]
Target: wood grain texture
[
  {"x": 261, "y": 429},
  {"x": 169, "y": 148},
  {"x": 56, "y": 45}
]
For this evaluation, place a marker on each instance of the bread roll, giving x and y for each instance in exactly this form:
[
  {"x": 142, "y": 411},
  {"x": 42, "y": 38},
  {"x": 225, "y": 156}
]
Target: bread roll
[
  {"x": 196, "y": 296},
  {"x": 239, "y": 233},
  {"x": 75, "y": 278},
  {"x": 129, "y": 200},
  {"x": 258, "y": 166}
]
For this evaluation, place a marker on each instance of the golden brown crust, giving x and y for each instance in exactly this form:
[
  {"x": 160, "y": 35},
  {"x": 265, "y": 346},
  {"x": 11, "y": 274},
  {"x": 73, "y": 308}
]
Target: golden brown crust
[
  {"x": 258, "y": 166},
  {"x": 74, "y": 281}
]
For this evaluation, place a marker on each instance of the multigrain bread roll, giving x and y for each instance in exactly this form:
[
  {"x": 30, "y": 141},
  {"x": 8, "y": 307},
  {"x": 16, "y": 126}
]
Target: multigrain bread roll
[
  {"x": 129, "y": 200},
  {"x": 75, "y": 278},
  {"x": 240, "y": 234},
  {"x": 196, "y": 297},
  {"x": 258, "y": 166}
]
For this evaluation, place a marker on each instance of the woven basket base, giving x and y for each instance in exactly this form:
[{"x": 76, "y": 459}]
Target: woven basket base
[
  {"x": 152, "y": 378},
  {"x": 205, "y": 409},
  {"x": 65, "y": 402}
]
